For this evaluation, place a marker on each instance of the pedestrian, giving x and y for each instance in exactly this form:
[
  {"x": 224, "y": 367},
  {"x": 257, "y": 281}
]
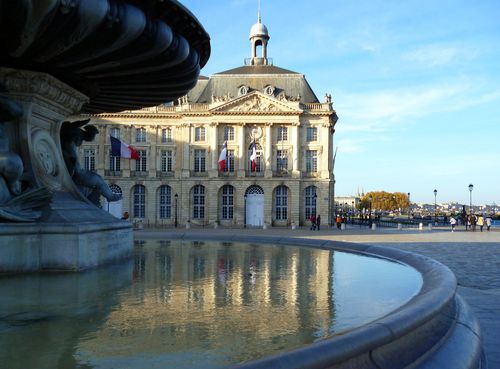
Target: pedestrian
[
  {"x": 473, "y": 222},
  {"x": 318, "y": 221},
  {"x": 338, "y": 220},
  {"x": 488, "y": 223},
  {"x": 453, "y": 223},
  {"x": 480, "y": 222},
  {"x": 313, "y": 222}
]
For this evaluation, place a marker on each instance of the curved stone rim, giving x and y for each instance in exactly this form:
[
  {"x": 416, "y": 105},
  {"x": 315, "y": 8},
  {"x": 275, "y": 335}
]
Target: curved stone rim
[{"x": 432, "y": 330}]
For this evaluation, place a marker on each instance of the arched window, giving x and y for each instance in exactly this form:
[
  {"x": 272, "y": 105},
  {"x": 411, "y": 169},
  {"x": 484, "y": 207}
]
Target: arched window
[
  {"x": 281, "y": 203},
  {"x": 165, "y": 202},
  {"x": 227, "y": 202},
  {"x": 139, "y": 201},
  {"x": 259, "y": 167},
  {"x": 198, "y": 202},
  {"x": 310, "y": 201},
  {"x": 115, "y": 188}
]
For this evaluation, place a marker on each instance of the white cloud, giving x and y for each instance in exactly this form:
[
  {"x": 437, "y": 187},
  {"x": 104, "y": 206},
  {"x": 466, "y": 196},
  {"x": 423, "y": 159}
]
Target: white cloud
[
  {"x": 382, "y": 109},
  {"x": 433, "y": 55}
]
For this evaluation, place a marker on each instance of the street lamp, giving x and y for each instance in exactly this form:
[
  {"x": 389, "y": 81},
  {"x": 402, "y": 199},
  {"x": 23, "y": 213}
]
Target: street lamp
[
  {"x": 370, "y": 213},
  {"x": 315, "y": 197},
  {"x": 471, "y": 187},
  {"x": 435, "y": 214},
  {"x": 409, "y": 206},
  {"x": 175, "y": 219},
  {"x": 245, "y": 212}
]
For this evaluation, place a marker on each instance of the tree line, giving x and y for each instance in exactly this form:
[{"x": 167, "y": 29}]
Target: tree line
[{"x": 385, "y": 201}]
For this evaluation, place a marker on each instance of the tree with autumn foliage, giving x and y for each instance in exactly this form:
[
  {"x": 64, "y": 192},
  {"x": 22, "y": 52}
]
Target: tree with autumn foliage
[{"x": 385, "y": 201}]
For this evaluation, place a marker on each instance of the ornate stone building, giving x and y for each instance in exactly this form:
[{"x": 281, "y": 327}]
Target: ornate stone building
[{"x": 177, "y": 180}]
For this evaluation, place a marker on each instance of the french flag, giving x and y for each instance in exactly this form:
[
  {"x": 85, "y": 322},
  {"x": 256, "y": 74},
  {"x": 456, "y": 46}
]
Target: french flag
[
  {"x": 121, "y": 149},
  {"x": 253, "y": 157},
  {"x": 223, "y": 157}
]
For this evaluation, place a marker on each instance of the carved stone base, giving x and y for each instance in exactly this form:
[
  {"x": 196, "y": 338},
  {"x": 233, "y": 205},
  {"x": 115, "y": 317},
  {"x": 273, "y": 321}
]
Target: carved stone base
[{"x": 72, "y": 233}]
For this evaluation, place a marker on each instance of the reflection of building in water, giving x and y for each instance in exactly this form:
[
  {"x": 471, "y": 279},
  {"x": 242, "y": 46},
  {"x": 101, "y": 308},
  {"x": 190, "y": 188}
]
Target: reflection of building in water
[{"x": 204, "y": 295}]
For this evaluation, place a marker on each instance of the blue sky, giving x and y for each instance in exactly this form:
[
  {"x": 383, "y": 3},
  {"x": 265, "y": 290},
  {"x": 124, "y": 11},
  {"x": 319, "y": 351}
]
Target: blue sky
[{"x": 416, "y": 85}]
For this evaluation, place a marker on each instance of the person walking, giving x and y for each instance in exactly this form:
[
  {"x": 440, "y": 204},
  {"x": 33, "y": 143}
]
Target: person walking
[
  {"x": 313, "y": 222},
  {"x": 318, "y": 221},
  {"x": 473, "y": 222},
  {"x": 453, "y": 223},
  {"x": 488, "y": 223},
  {"x": 338, "y": 220},
  {"x": 480, "y": 222}
]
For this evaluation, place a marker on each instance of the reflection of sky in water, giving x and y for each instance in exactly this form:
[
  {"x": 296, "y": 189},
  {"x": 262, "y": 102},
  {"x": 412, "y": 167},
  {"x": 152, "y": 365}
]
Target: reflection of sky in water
[{"x": 194, "y": 305}]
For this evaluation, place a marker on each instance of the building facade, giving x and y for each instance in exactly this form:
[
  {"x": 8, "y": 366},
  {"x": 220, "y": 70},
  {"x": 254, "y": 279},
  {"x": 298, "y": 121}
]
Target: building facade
[{"x": 177, "y": 178}]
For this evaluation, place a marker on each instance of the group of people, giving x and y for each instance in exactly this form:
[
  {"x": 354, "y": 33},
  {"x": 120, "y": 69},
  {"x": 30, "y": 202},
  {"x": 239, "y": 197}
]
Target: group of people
[
  {"x": 315, "y": 222},
  {"x": 472, "y": 221}
]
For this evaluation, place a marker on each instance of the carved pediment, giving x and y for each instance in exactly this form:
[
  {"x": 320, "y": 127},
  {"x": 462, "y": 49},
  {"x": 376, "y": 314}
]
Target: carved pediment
[{"x": 255, "y": 102}]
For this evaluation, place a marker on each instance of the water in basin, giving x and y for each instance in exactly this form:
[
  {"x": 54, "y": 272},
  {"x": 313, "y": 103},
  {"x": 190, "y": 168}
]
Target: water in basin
[{"x": 194, "y": 305}]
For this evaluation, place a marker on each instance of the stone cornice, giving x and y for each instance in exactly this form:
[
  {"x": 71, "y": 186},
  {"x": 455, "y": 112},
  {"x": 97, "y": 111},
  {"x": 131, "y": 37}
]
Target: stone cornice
[{"x": 44, "y": 86}]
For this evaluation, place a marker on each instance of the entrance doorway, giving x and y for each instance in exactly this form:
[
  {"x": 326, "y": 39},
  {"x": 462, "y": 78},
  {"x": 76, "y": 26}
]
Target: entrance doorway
[{"x": 254, "y": 206}]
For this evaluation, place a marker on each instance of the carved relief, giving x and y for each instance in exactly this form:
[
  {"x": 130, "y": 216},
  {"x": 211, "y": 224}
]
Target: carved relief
[
  {"x": 255, "y": 133},
  {"x": 256, "y": 104},
  {"x": 15, "y": 204}
]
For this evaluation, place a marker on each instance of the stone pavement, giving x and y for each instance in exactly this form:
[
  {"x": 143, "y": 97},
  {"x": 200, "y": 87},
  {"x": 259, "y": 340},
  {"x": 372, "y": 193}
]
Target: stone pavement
[{"x": 474, "y": 257}]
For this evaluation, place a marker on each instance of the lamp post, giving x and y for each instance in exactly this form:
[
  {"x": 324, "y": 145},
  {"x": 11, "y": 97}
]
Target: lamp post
[
  {"x": 409, "y": 206},
  {"x": 175, "y": 219},
  {"x": 353, "y": 212},
  {"x": 245, "y": 212},
  {"x": 471, "y": 187},
  {"x": 370, "y": 213},
  {"x": 315, "y": 197},
  {"x": 435, "y": 214}
]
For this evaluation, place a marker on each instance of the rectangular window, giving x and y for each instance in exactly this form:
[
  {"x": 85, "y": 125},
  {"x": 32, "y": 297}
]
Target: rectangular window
[
  {"x": 89, "y": 156},
  {"x": 312, "y": 134},
  {"x": 140, "y": 135},
  {"x": 281, "y": 203},
  {"x": 228, "y": 133},
  {"x": 115, "y": 132},
  {"x": 114, "y": 163},
  {"x": 140, "y": 163},
  {"x": 227, "y": 202},
  {"x": 166, "y": 160},
  {"x": 199, "y": 160},
  {"x": 282, "y": 134},
  {"x": 311, "y": 161},
  {"x": 282, "y": 160},
  {"x": 230, "y": 161},
  {"x": 166, "y": 135},
  {"x": 199, "y": 134},
  {"x": 199, "y": 202}
]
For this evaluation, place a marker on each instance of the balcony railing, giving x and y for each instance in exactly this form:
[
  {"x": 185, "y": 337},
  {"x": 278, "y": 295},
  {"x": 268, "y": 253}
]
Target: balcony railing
[
  {"x": 139, "y": 173},
  {"x": 113, "y": 173},
  {"x": 161, "y": 174}
]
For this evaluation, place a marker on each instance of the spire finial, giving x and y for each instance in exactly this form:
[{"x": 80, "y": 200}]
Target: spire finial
[{"x": 258, "y": 14}]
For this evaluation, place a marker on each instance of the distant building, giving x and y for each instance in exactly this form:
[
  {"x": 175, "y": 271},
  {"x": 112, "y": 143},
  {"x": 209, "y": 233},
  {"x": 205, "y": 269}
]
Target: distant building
[{"x": 177, "y": 178}]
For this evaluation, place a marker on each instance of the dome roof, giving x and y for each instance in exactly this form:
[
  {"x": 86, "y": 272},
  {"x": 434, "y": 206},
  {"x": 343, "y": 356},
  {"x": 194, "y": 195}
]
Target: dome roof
[{"x": 258, "y": 29}]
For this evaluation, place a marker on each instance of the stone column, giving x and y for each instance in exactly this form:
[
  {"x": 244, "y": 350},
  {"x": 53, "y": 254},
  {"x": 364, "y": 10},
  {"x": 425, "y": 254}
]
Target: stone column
[
  {"x": 186, "y": 158},
  {"x": 242, "y": 150},
  {"x": 213, "y": 170},
  {"x": 268, "y": 172},
  {"x": 295, "y": 150}
]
